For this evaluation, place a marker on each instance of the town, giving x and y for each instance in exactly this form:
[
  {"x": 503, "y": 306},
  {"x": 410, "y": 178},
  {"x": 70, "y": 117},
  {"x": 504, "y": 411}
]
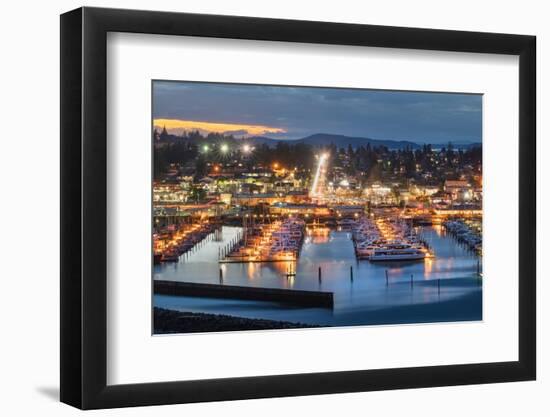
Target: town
[
  {"x": 205, "y": 181},
  {"x": 314, "y": 206}
]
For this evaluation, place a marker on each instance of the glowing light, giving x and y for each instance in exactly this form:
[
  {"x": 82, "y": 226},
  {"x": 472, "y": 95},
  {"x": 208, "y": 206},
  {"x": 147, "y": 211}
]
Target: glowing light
[
  {"x": 224, "y": 148},
  {"x": 205, "y": 148},
  {"x": 322, "y": 158},
  {"x": 246, "y": 148}
]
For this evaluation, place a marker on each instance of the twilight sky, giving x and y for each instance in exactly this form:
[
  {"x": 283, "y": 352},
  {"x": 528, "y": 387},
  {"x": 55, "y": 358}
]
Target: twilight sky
[{"x": 296, "y": 112}]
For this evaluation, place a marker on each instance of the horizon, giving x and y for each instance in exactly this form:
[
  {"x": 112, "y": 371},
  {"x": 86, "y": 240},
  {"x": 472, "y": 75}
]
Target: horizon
[
  {"x": 294, "y": 113},
  {"x": 290, "y": 140}
]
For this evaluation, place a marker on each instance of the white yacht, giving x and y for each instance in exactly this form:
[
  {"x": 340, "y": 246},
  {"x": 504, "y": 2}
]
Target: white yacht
[{"x": 397, "y": 252}]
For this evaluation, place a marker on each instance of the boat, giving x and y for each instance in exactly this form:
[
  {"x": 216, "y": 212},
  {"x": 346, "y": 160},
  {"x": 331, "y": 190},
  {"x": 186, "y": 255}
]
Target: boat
[
  {"x": 170, "y": 256},
  {"x": 397, "y": 252}
]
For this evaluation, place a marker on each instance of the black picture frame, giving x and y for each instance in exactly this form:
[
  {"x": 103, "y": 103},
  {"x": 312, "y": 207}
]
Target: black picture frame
[{"x": 84, "y": 207}]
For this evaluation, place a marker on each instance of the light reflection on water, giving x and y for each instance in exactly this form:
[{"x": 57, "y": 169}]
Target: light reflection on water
[{"x": 353, "y": 298}]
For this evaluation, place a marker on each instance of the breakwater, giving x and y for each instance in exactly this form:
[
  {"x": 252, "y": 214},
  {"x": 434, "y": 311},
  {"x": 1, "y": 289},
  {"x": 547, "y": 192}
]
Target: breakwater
[{"x": 297, "y": 297}]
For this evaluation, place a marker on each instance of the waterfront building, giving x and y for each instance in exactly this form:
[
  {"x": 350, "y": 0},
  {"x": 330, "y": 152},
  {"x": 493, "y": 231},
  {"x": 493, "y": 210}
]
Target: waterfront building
[
  {"x": 458, "y": 189},
  {"x": 169, "y": 193}
]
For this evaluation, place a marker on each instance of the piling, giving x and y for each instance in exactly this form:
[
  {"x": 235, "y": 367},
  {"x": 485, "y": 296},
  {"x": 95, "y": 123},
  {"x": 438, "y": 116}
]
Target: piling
[
  {"x": 319, "y": 275},
  {"x": 221, "y": 276},
  {"x": 351, "y": 273},
  {"x": 386, "y": 277},
  {"x": 438, "y": 286}
]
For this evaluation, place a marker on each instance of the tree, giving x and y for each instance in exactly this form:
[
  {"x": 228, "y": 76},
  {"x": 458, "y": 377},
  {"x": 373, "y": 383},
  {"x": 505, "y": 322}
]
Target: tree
[
  {"x": 164, "y": 134},
  {"x": 200, "y": 168},
  {"x": 197, "y": 194}
]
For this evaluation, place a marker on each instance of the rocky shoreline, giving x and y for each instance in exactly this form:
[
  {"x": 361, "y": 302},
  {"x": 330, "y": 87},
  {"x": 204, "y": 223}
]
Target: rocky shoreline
[{"x": 171, "y": 321}]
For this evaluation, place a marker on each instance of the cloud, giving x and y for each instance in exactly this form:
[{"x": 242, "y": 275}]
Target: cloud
[
  {"x": 296, "y": 112},
  {"x": 178, "y": 126}
]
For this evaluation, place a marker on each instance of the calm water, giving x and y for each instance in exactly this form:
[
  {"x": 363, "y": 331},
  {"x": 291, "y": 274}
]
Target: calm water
[{"x": 364, "y": 300}]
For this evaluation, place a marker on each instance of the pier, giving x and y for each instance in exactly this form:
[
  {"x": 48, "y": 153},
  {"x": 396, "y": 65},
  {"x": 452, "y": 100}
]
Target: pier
[
  {"x": 388, "y": 239},
  {"x": 276, "y": 241},
  {"x": 177, "y": 240},
  {"x": 298, "y": 297}
]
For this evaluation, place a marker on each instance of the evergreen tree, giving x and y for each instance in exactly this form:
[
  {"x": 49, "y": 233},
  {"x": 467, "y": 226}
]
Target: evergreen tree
[{"x": 164, "y": 134}]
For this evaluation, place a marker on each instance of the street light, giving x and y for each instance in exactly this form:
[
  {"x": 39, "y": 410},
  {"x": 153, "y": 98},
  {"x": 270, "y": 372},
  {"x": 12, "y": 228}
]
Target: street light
[
  {"x": 224, "y": 148},
  {"x": 205, "y": 148},
  {"x": 246, "y": 148}
]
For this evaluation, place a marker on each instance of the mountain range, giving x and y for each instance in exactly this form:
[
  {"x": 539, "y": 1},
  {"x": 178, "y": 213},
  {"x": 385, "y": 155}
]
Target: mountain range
[{"x": 342, "y": 141}]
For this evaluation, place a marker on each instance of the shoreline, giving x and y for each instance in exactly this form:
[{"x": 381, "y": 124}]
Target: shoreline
[
  {"x": 461, "y": 309},
  {"x": 167, "y": 321}
]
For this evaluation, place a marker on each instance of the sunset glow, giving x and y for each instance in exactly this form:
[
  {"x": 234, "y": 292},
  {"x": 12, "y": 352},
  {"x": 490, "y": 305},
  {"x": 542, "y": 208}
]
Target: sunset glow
[{"x": 180, "y": 125}]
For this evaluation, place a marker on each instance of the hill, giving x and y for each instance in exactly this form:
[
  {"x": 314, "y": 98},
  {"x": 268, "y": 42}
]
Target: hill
[{"x": 342, "y": 141}]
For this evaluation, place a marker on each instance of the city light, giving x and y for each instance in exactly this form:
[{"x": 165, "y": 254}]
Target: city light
[
  {"x": 240, "y": 204},
  {"x": 322, "y": 159}
]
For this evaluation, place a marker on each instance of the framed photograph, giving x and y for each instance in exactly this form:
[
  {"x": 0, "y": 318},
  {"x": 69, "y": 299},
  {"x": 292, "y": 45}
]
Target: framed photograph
[{"x": 257, "y": 208}]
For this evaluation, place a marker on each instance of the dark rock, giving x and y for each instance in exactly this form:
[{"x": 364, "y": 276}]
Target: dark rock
[{"x": 170, "y": 321}]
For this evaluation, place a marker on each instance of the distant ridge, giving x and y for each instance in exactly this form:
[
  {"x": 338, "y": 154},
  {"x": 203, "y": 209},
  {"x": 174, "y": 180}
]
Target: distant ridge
[{"x": 342, "y": 141}]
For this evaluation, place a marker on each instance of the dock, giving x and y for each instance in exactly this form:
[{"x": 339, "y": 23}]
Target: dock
[{"x": 298, "y": 297}]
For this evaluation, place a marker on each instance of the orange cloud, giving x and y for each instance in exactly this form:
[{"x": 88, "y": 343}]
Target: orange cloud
[{"x": 179, "y": 125}]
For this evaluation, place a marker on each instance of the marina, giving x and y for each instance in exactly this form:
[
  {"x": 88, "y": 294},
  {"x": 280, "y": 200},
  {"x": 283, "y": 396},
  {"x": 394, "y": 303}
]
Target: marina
[
  {"x": 176, "y": 240},
  {"x": 276, "y": 241},
  {"x": 388, "y": 240},
  {"x": 467, "y": 232},
  {"x": 407, "y": 290},
  {"x": 290, "y": 224}
]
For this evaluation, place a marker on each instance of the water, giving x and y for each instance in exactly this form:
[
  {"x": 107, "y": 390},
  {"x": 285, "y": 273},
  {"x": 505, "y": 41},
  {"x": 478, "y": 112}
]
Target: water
[{"x": 366, "y": 299}]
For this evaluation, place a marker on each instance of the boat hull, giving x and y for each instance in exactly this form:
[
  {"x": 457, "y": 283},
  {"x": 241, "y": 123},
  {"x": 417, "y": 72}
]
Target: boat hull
[{"x": 390, "y": 258}]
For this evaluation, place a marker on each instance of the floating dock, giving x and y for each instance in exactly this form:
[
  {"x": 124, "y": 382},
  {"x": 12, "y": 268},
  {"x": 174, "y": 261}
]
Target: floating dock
[{"x": 297, "y": 297}]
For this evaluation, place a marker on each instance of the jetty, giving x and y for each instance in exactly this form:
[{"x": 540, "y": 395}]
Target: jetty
[
  {"x": 297, "y": 297},
  {"x": 175, "y": 240},
  {"x": 278, "y": 241}
]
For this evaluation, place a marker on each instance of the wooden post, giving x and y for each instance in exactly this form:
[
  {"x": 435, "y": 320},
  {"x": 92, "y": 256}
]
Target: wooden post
[
  {"x": 319, "y": 275},
  {"x": 386, "y": 277},
  {"x": 438, "y": 286},
  {"x": 221, "y": 276},
  {"x": 351, "y": 273}
]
